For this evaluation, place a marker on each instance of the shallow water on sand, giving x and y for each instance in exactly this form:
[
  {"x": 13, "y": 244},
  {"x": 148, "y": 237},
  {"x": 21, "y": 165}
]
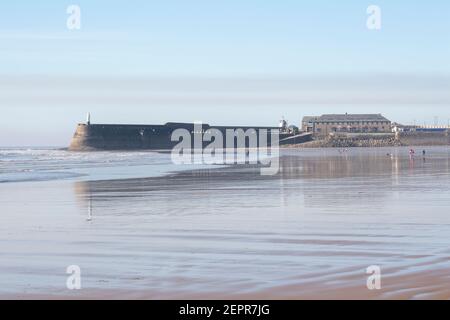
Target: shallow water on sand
[{"x": 308, "y": 232}]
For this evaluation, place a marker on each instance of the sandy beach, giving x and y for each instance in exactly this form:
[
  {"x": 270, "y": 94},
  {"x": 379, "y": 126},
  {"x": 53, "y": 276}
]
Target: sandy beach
[{"x": 308, "y": 232}]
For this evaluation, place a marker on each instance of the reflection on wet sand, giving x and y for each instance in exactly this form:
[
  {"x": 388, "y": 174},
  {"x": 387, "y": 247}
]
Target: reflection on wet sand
[
  {"x": 333, "y": 180},
  {"x": 308, "y": 232}
]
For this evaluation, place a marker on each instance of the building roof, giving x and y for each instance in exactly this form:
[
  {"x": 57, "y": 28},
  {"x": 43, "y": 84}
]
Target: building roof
[
  {"x": 350, "y": 117},
  {"x": 309, "y": 118}
]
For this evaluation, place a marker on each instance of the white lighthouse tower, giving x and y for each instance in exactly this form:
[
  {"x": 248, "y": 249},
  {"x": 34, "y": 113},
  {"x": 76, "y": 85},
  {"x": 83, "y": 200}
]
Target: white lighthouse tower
[{"x": 88, "y": 118}]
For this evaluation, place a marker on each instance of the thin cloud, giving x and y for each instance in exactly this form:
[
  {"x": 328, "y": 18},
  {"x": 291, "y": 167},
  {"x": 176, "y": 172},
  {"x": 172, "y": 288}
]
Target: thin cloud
[{"x": 141, "y": 91}]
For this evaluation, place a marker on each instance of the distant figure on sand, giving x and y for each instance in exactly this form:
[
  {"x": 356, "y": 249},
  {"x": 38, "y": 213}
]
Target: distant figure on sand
[{"x": 411, "y": 154}]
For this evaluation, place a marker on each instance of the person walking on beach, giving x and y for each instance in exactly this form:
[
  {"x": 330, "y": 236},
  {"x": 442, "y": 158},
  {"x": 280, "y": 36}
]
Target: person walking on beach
[{"x": 411, "y": 154}]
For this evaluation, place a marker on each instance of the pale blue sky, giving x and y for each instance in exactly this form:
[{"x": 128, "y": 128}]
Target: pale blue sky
[{"x": 225, "y": 62}]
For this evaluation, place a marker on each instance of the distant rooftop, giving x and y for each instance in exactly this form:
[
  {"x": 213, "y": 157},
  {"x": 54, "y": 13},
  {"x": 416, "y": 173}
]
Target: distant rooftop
[
  {"x": 309, "y": 118},
  {"x": 349, "y": 117}
]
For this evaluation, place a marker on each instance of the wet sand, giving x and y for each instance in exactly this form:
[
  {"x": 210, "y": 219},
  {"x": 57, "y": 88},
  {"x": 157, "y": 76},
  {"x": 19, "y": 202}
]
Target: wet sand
[{"x": 309, "y": 232}]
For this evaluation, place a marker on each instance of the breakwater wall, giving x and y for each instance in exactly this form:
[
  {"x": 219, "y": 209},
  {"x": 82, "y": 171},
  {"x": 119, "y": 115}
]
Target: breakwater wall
[
  {"x": 90, "y": 137},
  {"x": 425, "y": 138},
  {"x": 382, "y": 140},
  {"x": 118, "y": 137}
]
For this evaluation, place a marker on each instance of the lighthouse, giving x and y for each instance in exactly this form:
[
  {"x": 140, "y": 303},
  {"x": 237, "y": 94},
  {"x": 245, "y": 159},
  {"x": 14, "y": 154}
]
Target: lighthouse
[{"x": 88, "y": 118}]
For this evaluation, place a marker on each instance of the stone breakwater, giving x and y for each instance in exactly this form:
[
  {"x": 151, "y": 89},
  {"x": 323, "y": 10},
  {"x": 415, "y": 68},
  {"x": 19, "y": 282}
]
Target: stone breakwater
[
  {"x": 91, "y": 137},
  {"x": 390, "y": 140}
]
